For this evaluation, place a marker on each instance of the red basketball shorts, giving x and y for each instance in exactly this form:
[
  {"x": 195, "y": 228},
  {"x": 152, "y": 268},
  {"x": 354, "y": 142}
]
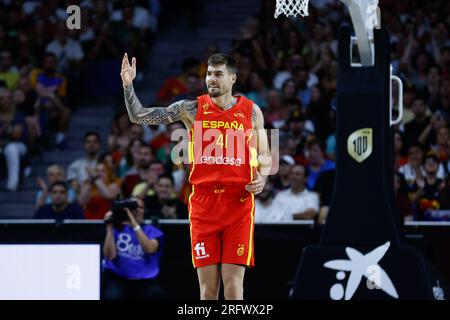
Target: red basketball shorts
[{"x": 222, "y": 226}]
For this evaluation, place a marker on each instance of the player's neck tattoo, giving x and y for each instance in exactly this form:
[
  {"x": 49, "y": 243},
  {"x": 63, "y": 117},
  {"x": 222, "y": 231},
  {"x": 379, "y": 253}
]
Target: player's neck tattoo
[{"x": 231, "y": 104}]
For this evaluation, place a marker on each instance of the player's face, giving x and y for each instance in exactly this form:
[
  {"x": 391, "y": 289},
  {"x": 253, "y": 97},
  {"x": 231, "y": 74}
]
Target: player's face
[{"x": 219, "y": 81}]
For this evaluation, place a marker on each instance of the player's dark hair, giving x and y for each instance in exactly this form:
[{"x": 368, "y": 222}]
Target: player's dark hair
[{"x": 223, "y": 58}]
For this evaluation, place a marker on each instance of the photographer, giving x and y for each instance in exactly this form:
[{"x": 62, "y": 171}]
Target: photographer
[{"x": 132, "y": 253}]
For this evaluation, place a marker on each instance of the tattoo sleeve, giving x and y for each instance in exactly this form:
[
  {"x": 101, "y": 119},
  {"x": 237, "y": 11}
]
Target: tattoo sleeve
[{"x": 157, "y": 115}]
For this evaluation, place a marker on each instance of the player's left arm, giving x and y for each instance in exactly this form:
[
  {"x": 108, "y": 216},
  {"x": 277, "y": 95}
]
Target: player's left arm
[{"x": 263, "y": 152}]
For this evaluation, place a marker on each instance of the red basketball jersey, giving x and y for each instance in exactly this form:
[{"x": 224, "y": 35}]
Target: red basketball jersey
[{"x": 221, "y": 145}]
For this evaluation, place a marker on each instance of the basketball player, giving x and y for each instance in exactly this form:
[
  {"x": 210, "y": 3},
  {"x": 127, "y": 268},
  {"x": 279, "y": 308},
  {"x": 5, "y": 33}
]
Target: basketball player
[{"x": 221, "y": 204}]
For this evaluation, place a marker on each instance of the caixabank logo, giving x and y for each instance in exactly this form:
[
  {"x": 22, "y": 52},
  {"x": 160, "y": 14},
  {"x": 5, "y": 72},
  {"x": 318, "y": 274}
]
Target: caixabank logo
[{"x": 359, "y": 266}]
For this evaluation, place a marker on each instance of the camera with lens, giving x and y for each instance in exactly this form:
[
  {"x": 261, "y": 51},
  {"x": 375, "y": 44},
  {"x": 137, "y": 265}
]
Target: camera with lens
[{"x": 119, "y": 214}]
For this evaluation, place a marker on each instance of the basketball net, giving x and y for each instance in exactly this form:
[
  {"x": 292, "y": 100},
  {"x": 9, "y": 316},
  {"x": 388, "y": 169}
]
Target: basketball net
[{"x": 291, "y": 8}]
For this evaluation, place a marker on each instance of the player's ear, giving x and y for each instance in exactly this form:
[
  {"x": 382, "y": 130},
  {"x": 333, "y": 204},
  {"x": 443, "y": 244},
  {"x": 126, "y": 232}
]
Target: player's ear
[{"x": 233, "y": 78}]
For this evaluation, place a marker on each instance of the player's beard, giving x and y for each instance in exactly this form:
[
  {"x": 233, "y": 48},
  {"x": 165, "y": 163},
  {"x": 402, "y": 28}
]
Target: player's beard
[{"x": 215, "y": 93}]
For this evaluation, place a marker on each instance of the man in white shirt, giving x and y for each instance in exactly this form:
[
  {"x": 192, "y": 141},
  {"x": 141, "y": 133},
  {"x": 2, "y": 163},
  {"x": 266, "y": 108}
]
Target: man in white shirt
[
  {"x": 264, "y": 205},
  {"x": 77, "y": 172},
  {"x": 68, "y": 51},
  {"x": 297, "y": 202}
]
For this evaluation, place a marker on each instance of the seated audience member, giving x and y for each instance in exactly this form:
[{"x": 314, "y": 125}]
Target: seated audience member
[
  {"x": 297, "y": 202},
  {"x": 54, "y": 173},
  {"x": 60, "y": 208},
  {"x": 316, "y": 162},
  {"x": 164, "y": 204},
  {"x": 428, "y": 188},
  {"x": 52, "y": 90},
  {"x": 264, "y": 205},
  {"x": 77, "y": 172},
  {"x": 98, "y": 192},
  {"x": 132, "y": 258},
  {"x": 139, "y": 172},
  {"x": 12, "y": 146},
  {"x": 282, "y": 179},
  {"x": 147, "y": 186}
]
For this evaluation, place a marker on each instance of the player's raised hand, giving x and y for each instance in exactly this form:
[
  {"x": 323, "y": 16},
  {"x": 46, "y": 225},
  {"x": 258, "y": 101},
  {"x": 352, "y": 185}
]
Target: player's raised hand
[{"x": 128, "y": 72}]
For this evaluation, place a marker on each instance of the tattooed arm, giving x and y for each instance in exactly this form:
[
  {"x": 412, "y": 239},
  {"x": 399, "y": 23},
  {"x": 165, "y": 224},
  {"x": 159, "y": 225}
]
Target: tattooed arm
[
  {"x": 262, "y": 150},
  {"x": 177, "y": 111},
  {"x": 180, "y": 110}
]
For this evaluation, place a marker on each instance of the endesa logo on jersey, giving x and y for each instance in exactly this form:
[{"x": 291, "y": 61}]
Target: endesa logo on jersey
[
  {"x": 221, "y": 160},
  {"x": 222, "y": 143}
]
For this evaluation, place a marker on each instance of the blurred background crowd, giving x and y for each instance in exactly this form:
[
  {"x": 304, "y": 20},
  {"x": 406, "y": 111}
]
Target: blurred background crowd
[{"x": 287, "y": 66}]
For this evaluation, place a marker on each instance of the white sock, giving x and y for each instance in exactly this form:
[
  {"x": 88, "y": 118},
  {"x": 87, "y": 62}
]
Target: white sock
[{"x": 60, "y": 137}]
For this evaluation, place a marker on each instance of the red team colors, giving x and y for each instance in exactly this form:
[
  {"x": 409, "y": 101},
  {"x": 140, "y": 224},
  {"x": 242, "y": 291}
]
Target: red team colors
[{"x": 223, "y": 160}]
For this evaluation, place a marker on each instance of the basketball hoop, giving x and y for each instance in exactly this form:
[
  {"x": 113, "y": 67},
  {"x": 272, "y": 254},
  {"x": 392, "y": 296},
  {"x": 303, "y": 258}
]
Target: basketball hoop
[
  {"x": 364, "y": 15},
  {"x": 291, "y": 8}
]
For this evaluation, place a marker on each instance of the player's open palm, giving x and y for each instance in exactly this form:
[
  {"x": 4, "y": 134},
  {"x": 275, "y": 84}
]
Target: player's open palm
[{"x": 128, "y": 72}]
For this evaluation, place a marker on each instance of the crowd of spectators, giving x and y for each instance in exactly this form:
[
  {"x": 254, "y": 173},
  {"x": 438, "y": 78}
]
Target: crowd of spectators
[
  {"x": 287, "y": 66},
  {"x": 45, "y": 68}
]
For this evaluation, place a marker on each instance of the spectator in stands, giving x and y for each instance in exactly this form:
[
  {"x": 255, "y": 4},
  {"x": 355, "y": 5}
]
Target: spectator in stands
[
  {"x": 243, "y": 83},
  {"x": 139, "y": 16},
  {"x": 52, "y": 90},
  {"x": 54, "y": 173},
  {"x": 264, "y": 204},
  {"x": 132, "y": 258},
  {"x": 60, "y": 207},
  {"x": 194, "y": 88},
  {"x": 26, "y": 99},
  {"x": 289, "y": 89},
  {"x": 316, "y": 161},
  {"x": 415, "y": 127},
  {"x": 129, "y": 155},
  {"x": 164, "y": 203},
  {"x": 108, "y": 159},
  {"x": 413, "y": 168},
  {"x": 147, "y": 187},
  {"x": 429, "y": 134},
  {"x": 177, "y": 85},
  {"x": 399, "y": 157},
  {"x": 98, "y": 192},
  {"x": 140, "y": 172},
  {"x": 273, "y": 113},
  {"x": 293, "y": 63},
  {"x": 67, "y": 50},
  {"x": 297, "y": 202},
  {"x": 299, "y": 130},
  {"x": 11, "y": 138},
  {"x": 282, "y": 180},
  {"x": 118, "y": 138},
  {"x": 442, "y": 146},
  {"x": 8, "y": 71},
  {"x": 428, "y": 188},
  {"x": 259, "y": 91},
  {"x": 77, "y": 172},
  {"x": 163, "y": 143}
]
